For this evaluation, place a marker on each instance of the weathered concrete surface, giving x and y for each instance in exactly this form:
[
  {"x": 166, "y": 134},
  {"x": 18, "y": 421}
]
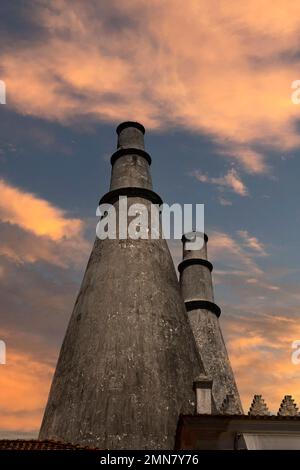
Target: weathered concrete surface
[
  {"x": 129, "y": 358},
  {"x": 130, "y": 170},
  {"x": 131, "y": 135},
  {"x": 209, "y": 339},
  {"x": 196, "y": 286}
]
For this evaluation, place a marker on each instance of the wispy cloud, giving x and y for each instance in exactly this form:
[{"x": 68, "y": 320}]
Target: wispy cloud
[
  {"x": 35, "y": 214},
  {"x": 33, "y": 229},
  {"x": 101, "y": 63},
  {"x": 231, "y": 180},
  {"x": 250, "y": 160},
  {"x": 225, "y": 202},
  {"x": 252, "y": 242},
  {"x": 230, "y": 253}
]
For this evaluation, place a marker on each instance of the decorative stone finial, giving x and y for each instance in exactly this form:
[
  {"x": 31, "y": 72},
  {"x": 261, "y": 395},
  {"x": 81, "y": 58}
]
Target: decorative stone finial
[
  {"x": 288, "y": 407},
  {"x": 258, "y": 407}
]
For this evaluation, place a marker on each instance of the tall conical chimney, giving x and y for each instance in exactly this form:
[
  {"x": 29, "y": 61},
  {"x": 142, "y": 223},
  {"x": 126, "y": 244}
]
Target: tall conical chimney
[
  {"x": 197, "y": 291},
  {"x": 129, "y": 358}
]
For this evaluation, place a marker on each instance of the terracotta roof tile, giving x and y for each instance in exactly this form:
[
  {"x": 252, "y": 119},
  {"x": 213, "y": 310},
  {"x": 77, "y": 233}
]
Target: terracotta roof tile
[{"x": 34, "y": 444}]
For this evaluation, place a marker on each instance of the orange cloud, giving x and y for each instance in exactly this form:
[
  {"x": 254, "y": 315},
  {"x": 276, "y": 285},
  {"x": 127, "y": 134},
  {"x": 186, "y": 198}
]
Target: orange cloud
[
  {"x": 33, "y": 229},
  {"x": 252, "y": 161},
  {"x": 252, "y": 242},
  {"x": 231, "y": 181},
  {"x": 261, "y": 357},
  {"x": 35, "y": 214},
  {"x": 24, "y": 387},
  {"x": 226, "y": 250},
  {"x": 228, "y": 75}
]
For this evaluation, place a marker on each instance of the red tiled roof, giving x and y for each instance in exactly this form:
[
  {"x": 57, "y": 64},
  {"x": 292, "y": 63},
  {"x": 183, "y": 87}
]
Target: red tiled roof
[{"x": 34, "y": 444}]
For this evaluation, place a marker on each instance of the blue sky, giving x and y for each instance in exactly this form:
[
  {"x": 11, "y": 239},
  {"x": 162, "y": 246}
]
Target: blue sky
[{"x": 212, "y": 86}]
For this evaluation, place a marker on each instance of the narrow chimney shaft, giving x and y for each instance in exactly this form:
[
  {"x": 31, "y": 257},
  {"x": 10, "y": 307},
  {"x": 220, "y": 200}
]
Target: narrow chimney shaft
[
  {"x": 131, "y": 135},
  {"x": 195, "y": 279},
  {"x": 130, "y": 163}
]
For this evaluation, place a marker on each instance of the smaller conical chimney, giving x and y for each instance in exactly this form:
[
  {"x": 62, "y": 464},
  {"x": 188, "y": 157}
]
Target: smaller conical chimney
[{"x": 197, "y": 291}]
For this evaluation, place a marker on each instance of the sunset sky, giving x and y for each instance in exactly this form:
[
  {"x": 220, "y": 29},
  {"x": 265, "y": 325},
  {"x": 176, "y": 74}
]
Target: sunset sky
[{"x": 211, "y": 82}]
